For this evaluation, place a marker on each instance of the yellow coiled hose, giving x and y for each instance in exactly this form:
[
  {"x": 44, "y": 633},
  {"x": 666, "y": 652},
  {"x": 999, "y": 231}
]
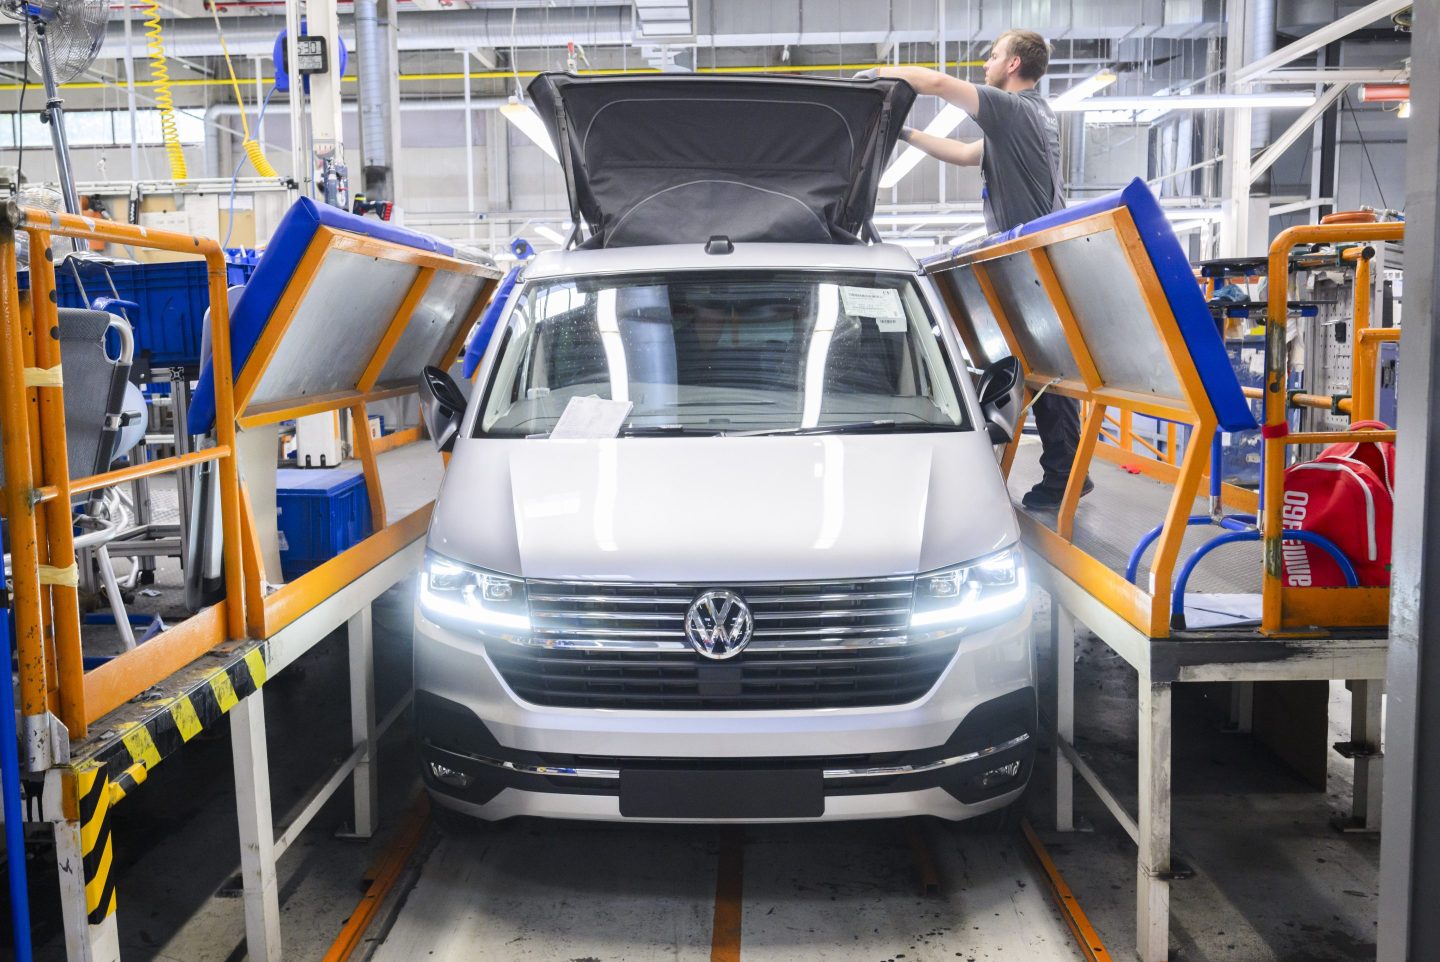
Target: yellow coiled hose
[
  {"x": 249, "y": 144},
  {"x": 155, "y": 43}
]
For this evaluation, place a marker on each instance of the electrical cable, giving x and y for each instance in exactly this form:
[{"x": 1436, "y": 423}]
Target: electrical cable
[
  {"x": 20, "y": 112},
  {"x": 1365, "y": 147},
  {"x": 248, "y": 144},
  {"x": 160, "y": 73},
  {"x": 235, "y": 178}
]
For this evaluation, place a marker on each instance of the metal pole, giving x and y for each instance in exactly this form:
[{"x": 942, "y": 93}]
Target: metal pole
[
  {"x": 14, "y": 813},
  {"x": 55, "y": 116},
  {"x": 1410, "y": 844},
  {"x": 469, "y": 153},
  {"x": 300, "y": 161},
  {"x": 130, "y": 99}
]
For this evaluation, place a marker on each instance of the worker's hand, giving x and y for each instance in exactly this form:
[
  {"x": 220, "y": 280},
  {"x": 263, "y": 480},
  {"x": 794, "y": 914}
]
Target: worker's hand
[{"x": 869, "y": 74}]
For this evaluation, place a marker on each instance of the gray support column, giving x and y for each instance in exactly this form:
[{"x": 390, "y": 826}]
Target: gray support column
[
  {"x": 1062, "y": 644},
  {"x": 497, "y": 160},
  {"x": 1410, "y": 844},
  {"x": 361, "y": 636},
  {"x": 1152, "y": 868},
  {"x": 257, "y": 829},
  {"x": 1369, "y": 759}
]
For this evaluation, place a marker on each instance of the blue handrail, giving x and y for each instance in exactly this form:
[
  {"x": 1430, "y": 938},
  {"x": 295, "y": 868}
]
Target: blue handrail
[
  {"x": 1177, "y": 597},
  {"x": 14, "y": 811}
]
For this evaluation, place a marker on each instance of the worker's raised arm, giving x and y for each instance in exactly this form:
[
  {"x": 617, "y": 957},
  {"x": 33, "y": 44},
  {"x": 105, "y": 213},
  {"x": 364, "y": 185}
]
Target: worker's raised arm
[
  {"x": 959, "y": 92},
  {"x": 962, "y": 153}
]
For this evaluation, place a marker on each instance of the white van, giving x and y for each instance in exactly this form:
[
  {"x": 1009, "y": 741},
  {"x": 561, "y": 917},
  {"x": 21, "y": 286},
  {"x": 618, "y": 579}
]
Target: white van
[{"x": 723, "y": 535}]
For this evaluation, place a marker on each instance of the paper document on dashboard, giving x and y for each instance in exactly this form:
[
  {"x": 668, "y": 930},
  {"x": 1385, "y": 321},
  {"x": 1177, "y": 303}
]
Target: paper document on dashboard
[{"x": 591, "y": 417}]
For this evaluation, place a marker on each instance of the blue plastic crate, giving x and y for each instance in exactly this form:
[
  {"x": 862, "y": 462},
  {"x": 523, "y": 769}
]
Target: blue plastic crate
[
  {"x": 323, "y": 511},
  {"x": 173, "y": 299}
]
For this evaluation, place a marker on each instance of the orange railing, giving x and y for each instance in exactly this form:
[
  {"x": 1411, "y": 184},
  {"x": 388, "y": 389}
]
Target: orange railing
[
  {"x": 1289, "y": 607},
  {"x": 37, "y": 475},
  {"x": 39, "y": 489}
]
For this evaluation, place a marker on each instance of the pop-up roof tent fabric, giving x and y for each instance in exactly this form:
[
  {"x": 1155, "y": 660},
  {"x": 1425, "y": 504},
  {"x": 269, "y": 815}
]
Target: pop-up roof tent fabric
[{"x": 680, "y": 159}]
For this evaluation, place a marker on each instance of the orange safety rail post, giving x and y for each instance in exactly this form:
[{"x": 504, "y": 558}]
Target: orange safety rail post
[
  {"x": 83, "y": 697},
  {"x": 1286, "y": 608},
  {"x": 1148, "y": 611}
]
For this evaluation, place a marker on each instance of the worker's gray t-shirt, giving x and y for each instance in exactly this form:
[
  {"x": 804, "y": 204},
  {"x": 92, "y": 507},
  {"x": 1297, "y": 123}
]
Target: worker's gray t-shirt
[{"x": 1021, "y": 162}]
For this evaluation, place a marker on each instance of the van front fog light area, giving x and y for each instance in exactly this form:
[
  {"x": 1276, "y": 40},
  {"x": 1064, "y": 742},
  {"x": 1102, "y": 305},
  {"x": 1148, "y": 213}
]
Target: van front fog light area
[
  {"x": 469, "y": 599},
  {"x": 999, "y": 776},
  {"x": 449, "y": 776},
  {"x": 973, "y": 595}
]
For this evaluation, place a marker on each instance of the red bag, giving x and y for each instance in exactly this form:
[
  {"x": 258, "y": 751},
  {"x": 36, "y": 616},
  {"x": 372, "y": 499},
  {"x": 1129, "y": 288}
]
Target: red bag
[
  {"x": 1344, "y": 500},
  {"x": 1378, "y": 455}
]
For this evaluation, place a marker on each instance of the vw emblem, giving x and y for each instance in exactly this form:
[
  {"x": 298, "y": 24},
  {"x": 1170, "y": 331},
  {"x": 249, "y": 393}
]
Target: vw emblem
[{"x": 719, "y": 624}]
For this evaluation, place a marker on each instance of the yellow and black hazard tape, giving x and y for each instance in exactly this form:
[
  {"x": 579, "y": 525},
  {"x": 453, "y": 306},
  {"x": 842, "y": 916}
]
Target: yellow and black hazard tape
[
  {"x": 170, "y": 723},
  {"x": 93, "y": 796},
  {"x": 120, "y": 764}
]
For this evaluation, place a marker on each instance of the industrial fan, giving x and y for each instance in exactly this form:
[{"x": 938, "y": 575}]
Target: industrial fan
[{"x": 66, "y": 38}]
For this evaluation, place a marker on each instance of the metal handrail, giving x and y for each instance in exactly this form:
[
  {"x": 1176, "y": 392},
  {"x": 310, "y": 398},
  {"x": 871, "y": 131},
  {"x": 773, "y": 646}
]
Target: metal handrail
[
  {"x": 37, "y": 476},
  {"x": 1277, "y": 435}
]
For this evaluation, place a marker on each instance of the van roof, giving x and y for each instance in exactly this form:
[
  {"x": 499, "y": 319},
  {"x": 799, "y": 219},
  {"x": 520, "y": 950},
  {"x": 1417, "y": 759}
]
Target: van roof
[{"x": 692, "y": 257}]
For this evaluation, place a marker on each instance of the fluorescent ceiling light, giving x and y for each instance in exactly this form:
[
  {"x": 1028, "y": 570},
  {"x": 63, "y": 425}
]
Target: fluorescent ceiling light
[
  {"x": 1190, "y": 102},
  {"x": 943, "y": 125},
  {"x": 1086, "y": 88},
  {"x": 530, "y": 124},
  {"x": 550, "y": 234},
  {"x": 914, "y": 241},
  {"x": 959, "y": 218}
]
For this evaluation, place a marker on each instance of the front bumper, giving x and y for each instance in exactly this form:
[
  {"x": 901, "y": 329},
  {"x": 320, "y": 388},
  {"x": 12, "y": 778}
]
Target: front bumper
[{"x": 921, "y": 757}]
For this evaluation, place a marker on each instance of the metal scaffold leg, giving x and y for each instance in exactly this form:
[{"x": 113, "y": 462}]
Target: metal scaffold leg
[
  {"x": 1062, "y": 637},
  {"x": 83, "y": 854},
  {"x": 362, "y": 719},
  {"x": 257, "y": 829},
  {"x": 1152, "y": 877}
]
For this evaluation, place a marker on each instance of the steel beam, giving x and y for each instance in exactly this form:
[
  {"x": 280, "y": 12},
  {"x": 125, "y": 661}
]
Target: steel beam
[
  {"x": 1304, "y": 122},
  {"x": 1311, "y": 42},
  {"x": 1410, "y": 844}
]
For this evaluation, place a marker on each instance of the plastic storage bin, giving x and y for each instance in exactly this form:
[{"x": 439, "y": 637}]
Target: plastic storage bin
[
  {"x": 322, "y": 512},
  {"x": 173, "y": 299}
]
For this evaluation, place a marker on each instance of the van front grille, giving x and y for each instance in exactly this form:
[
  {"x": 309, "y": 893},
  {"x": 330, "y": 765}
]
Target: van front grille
[{"x": 815, "y": 645}]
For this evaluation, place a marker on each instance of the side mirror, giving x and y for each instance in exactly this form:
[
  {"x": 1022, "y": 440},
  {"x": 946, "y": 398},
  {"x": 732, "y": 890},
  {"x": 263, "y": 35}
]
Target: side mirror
[
  {"x": 1002, "y": 395},
  {"x": 442, "y": 405}
]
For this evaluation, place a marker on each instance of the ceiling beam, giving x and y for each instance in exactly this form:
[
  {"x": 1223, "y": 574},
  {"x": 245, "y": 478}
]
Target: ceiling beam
[{"x": 1346, "y": 25}]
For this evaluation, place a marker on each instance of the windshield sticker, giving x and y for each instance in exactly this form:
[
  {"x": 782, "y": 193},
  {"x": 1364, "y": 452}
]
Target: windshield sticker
[
  {"x": 881, "y": 303},
  {"x": 591, "y": 417}
]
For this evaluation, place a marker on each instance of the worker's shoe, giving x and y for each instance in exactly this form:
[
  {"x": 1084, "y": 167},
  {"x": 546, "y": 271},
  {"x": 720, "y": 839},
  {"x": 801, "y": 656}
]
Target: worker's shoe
[{"x": 1043, "y": 497}]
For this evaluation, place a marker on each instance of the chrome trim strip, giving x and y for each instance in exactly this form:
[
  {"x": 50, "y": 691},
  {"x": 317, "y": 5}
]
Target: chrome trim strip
[
  {"x": 555, "y": 771},
  {"x": 760, "y": 644}
]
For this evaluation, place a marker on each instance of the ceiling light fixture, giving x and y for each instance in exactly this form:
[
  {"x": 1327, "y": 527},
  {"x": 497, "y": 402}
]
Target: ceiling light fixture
[
  {"x": 1188, "y": 102},
  {"x": 529, "y": 124},
  {"x": 943, "y": 125},
  {"x": 1085, "y": 88}
]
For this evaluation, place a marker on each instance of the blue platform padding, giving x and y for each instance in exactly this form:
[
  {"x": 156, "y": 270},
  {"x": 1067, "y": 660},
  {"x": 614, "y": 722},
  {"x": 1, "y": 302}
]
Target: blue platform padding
[
  {"x": 276, "y": 268},
  {"x": 1172, "y": 267},
  {"x": 475, "y": 349}
]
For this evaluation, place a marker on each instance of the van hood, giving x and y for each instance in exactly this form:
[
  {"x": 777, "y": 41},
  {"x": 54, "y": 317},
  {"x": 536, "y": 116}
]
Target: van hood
[
  {"x": 680, "y": 159},
  {"x": 722, "y": 509}
]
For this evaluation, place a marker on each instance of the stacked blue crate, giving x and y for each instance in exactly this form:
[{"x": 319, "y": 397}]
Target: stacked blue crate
[{"x": 322, "y": 512}]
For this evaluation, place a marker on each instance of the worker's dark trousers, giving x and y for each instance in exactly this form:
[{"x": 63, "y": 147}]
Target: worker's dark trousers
[{"x": 1057, "y": 418}]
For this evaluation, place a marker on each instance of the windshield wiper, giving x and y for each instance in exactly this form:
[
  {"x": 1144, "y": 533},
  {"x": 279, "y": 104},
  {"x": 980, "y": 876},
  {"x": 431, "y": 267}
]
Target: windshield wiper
[
  {"x": 854, "y": 427},
  {"x": 665, "y": 430}
]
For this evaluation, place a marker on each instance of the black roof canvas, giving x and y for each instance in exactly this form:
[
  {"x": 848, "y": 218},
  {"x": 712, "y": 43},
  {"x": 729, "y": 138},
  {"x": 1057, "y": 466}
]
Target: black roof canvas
[{"x": 679, "y": 159}]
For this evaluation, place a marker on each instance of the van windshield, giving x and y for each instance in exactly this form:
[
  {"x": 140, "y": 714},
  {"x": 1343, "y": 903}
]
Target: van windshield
[{"x": 726, "y": 353}]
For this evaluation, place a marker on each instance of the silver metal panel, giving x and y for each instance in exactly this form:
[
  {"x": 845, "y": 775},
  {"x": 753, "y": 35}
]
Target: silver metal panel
[
  {"x": 977, "y": 309},
  {"x": 1032, "y": 317},
  {"x": 446, "y": 305},
  {"x": 1109, "y": 310},
  {"x": 337, "y": 327}
]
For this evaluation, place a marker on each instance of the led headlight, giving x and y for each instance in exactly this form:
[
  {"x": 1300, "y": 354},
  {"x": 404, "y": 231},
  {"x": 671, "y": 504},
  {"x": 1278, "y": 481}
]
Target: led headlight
[
  {"x": 474, "y": 600},
  {"x": 971, "y": 595}
]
